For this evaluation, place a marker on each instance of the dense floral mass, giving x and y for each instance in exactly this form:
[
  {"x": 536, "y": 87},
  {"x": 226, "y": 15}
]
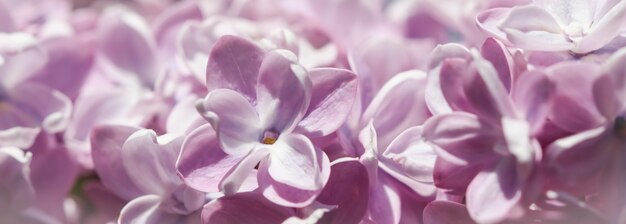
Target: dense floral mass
[{"x": 312, "y": 111}]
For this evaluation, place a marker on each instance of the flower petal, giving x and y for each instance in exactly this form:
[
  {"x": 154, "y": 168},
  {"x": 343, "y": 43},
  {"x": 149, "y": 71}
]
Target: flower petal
[
  {"x": 492, "y": 195},
  {"x": 348, "y": 189},
  {"x": 532, "y": 28},
  {"x": 575, "y": 111},
  {"x": 294, "y": 161},
  {"x": 532, "y": 95},
  {"x": 584, "y": 154},
  {"x": 410, "y": 155},
  {"x": 234, "y": 119},
  {"x": 258, "y": 210},
  {"x": 463, "y": 137},
  {"x": 446, "y": 212},
  {"x": 238, "y": 174},
  {"x": 202, "y": 164},
  {"x": 284, "y": 91},
  {"x": 234, "y": 63},
  {"x": 106, "y": 145},
  {"x": 126, "y": 41},
  {"x": 146, "y": 209},
  {"x": 333, "y": 94},
  {"x": 151, "y": 162},
  {"x": 404, "y": 95}
]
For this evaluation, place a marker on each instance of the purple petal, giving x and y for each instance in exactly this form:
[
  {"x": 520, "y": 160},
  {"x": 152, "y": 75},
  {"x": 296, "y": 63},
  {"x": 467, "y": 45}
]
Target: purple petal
[
  {"x": 462, "y": 137},
  {"x": 106, "y": 144},
  {"x": 404, "y": 95},
  {"x": 258, "y": 210},
  {"x": 446, "y": 212},
  {"x": 384, "y": 202},
  {"x": 283, "y": 194},
  {"x": 184, "y": 118},
  {"x": 575, "y": 111},
  {"x": 454, "y": 177},
  {"x": 532, "y": 28},
  {"x": 202, "y": 163},
  {"x": 234, "y": 119},
  {"x": 16, "y": 188},
  {"x": 46, "y": 105},
  {"x": 348, "y": 188},
  {"x": 69, "y": 63},
  {"x": 410, "y": 155},
  {"x": 126, "y": 41},
  {"x": 284, "y": 91},
  {"x": 532, "y": 94},
  {"x": 495, "y": 52},
  {"x": 234, "y": 63},
  {"x": 334, "y": 93},
  {"x": 238, "y": 174},
  {"x": 146, "y": 209},
  {"x": 294, "y": 161},
  {"x": 151, "y": 162},
  {"x": 584, "y": 154},
  {"x": 492, "y": 195},
  {"x": 53, "y": 173}
]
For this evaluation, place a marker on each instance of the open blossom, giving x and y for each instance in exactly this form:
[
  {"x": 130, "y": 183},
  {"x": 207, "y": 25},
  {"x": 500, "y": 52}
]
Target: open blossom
[
  {"x": 489, "y": 136},
  {"x": 580, "y": 26},
  {"x": 263, "y": 105}
]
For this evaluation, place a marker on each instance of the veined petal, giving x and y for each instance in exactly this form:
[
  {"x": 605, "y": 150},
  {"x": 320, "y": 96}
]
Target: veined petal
[
  {"x": 294, "y": 161},
  {"x": 234, "y": 63},
  {"x": 202, "y": 164}
]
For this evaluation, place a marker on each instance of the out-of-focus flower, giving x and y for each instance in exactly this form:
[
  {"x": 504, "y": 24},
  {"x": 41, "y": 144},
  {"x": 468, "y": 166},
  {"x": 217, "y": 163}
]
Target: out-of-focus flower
[
  {"x": 139, "y": 166},
  {"x": 579, "y": 26}
]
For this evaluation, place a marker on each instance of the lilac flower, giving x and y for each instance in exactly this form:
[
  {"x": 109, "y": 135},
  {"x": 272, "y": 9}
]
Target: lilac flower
[
  {"x": 577, "y": 26},
  {"x": 269, "y": 102},
  {"x": 596, "y": 150},
  {"x": 26, "y": 106},
  {"x": 139, "y": 166},
  {"x": 489, "y": 137}
]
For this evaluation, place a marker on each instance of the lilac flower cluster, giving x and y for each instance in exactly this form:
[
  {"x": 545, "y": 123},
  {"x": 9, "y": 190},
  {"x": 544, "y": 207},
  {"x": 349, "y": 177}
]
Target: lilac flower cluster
[{"x": 312, "y": 111}]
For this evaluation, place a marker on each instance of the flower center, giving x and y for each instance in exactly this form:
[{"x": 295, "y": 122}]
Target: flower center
[
  {"x": 269, "y": 137},
  {"x": 619, "y": 126}
]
